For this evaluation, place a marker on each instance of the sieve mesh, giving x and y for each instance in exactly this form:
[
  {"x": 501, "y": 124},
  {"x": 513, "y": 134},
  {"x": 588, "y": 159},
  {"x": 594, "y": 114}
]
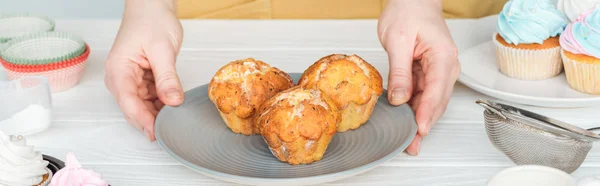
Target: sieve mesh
[{"x": 526, "y": 145}]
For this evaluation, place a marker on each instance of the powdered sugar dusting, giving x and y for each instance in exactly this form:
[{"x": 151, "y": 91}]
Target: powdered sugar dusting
[
  {"x": 293, "y": 98},
  {"x": 363, "y": 92},
  {"x": 249, "y": 64},
  {"x": 309, "y": 144},
  {"x": 318, "y": 100},
  {"x": 322, "y": 67},
  {"x": 298, "y": 111},
  {"x": 360, "y": 64},
  {"x": 236, "y": 72},
  {"x": 233, "y": 71}
]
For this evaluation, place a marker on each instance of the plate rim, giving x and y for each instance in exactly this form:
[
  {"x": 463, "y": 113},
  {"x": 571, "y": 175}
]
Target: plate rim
[
  {"x": 469, "y": 82},
  {"x": 331, "y": 176}
]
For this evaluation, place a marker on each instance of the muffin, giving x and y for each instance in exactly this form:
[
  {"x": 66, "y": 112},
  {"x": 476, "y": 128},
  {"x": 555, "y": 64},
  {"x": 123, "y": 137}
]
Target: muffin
[
  {"x": 240, "y": 87},
  {"x": 298, "y": 124},
  {"x": 353, "y": 84},
  {"x": 581, "y": 52},
  {"x": 20, "y": 164},
  {"x": 526, "y": 43}
]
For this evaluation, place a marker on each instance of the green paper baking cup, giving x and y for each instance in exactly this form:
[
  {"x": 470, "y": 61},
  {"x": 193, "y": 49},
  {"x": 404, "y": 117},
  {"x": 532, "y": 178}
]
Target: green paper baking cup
[
  {"x": 42, "y": 48},
  {"x": 16, "y": 25}
]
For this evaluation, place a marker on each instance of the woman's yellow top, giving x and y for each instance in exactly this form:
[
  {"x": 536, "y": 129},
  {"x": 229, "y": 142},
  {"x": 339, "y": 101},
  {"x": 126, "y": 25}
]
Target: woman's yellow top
[{"x": 319, "y": 9}]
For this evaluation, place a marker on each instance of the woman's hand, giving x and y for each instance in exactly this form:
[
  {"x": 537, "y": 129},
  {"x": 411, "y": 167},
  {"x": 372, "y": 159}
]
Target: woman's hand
[
  {"x": 423, "y": 60},
  {"x": 140, "y": 69}
]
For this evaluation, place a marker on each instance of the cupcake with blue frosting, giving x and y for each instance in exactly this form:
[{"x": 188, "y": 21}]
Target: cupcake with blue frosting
[
  {"x": 580, "y": 43},
  {"x": 527, "y": 41}
]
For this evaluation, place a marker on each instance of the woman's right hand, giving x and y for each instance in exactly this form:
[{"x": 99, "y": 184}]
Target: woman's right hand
[
  {"x": 140, "y": 68},
  {"x": 423, "y": 60}
]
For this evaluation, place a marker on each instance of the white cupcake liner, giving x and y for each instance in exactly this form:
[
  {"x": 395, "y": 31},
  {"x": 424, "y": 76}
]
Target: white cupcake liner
[
  {"x": 43, "y": 48},
  {"x": 16, "y": 25},
  {"x": 60, "y": 79},
  {"x": 583, "y": 77},
  {"x": 534, "y": 64}
]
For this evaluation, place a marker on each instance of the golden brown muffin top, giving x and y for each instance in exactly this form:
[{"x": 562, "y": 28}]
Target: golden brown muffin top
[
  {"x": 344, "y": 78},
  {"x": 243, "y": 85},
  {"x": 298, "y": 112}
]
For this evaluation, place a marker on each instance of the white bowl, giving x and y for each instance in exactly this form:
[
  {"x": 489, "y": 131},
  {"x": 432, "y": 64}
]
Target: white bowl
[
  {"x": 531, "y": 175},
  {"x": 593, "y": 180}
]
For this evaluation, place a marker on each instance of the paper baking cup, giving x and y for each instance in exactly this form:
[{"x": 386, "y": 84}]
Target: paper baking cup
[
  {"x": 583, "y": 77},
  {"x": 59, "y": 79},
  {"x": 43, "y": 48},
  {"x": 47, "y": 181},
  {"x": 61, "y": 76},
  {"x": 16, "y": 25},
  {"x": 528, "y": 64},
  {"x": 47, "y": 67}
]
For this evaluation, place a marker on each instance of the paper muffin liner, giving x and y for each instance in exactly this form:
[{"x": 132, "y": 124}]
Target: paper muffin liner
[
  {"x": 524, "y": 64},
  {"x": 59, "y": 79},
  {"x": 46, "y": 67},
  {"x": 43, "y": 48},
  {"x": 583, "y": 77},
  {"x": 46, "y": 182},
  {"x": 16, "y": 25}
]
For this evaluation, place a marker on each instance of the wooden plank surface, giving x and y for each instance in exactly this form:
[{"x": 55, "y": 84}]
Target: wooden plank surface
[{"x": 87, "y": 120}]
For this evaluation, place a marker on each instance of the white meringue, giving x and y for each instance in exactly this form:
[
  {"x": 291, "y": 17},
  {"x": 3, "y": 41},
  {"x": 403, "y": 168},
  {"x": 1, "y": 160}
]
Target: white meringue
[
  {"x": 19, "y": 163},
  {"x": 574, "y": 8}
]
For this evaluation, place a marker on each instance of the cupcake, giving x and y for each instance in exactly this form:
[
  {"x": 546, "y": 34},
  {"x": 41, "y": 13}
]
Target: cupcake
[
  {"x": 574, "y": 8},
  {"x": 74, "y": 174},
  {"x": 298, "y": 124},
  {"x": 20, "y": 165},
  {"x": 581, "y": 52},
  {"x": 240, "y": 87},
  {"x": 353, "y": 84},
  {"x": 526, "y": 43}
]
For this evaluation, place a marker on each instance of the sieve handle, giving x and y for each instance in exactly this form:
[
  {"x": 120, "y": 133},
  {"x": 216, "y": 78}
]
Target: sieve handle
[
  {"x": 593, "y": 129},
  {"x": 506, "y": 111},
  {"x": 491, "y": 107}
]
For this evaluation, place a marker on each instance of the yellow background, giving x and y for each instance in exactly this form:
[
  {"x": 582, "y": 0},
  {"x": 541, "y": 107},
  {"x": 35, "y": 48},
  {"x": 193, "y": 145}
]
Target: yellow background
[{"x": 319, "y": 9}]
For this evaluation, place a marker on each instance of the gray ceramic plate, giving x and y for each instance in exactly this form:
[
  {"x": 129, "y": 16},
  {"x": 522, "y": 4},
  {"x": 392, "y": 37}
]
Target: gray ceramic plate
[{"x": 195, "y": 135}]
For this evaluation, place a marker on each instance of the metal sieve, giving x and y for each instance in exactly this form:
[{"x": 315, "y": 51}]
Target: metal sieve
[{"x": 528, "y": 138}]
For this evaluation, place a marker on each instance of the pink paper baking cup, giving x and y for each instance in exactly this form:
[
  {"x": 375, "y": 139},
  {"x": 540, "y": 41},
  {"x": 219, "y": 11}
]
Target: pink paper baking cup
[
  {"x": 46, "y": 67},
  {"x": 59, "y": 79},
  {"x": 61, "y": 75}
]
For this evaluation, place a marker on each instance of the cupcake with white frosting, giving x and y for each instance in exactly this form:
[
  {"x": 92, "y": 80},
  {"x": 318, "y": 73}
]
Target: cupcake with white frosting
[
  {"x": 574, "y": 8},
  {"x": 20, "y": 165}
]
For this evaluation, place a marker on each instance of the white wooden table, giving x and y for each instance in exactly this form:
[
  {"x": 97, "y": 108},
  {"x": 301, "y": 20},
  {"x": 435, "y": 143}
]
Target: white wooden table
[{"x": 88, "y": 122}]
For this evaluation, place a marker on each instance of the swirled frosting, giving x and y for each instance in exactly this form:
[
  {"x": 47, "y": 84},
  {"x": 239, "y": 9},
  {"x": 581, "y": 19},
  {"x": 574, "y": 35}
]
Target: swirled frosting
[
  {"x": 530, "y": 21},
  {"x": 74, "y": 175},
  {"x": 583, "y": 35},
  {"x": 19, "y": 163},
  {"x": 574, "y": 8}
]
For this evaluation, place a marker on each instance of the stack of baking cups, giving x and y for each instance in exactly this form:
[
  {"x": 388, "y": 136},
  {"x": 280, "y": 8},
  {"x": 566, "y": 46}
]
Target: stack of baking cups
[
  {"x": 16, "y": 25},
  {"x": 58, "y": 56}
]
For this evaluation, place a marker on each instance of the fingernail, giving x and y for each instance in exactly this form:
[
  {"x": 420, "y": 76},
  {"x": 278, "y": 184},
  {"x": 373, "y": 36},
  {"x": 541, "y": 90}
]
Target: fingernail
[
  {"x": 399, "y": 95},
  {"x": 173, "y": 94}
]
